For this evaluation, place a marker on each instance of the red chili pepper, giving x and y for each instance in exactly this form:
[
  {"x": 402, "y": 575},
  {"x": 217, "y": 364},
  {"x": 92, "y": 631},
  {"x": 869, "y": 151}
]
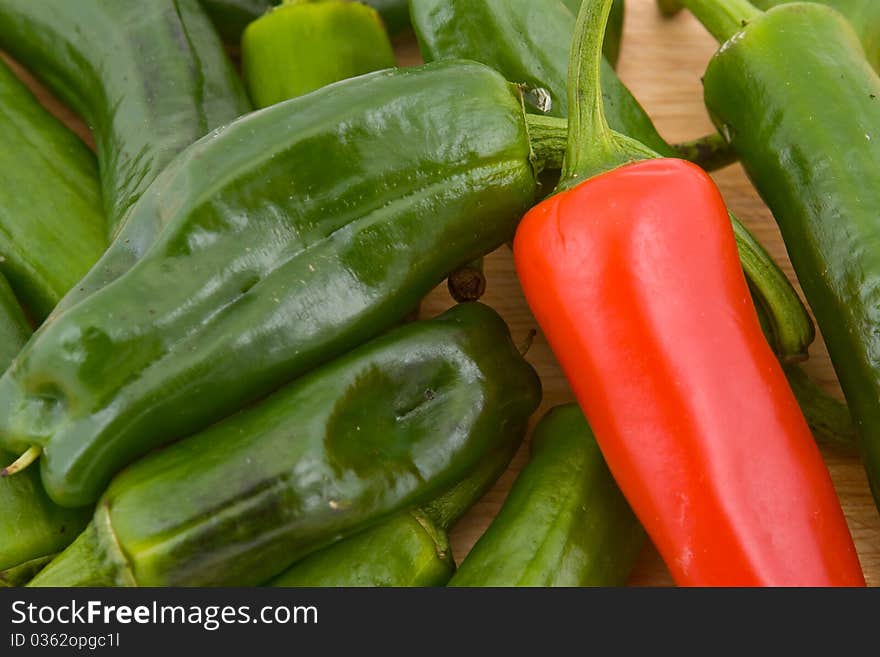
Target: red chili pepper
[{"x": 634, "y": 277}]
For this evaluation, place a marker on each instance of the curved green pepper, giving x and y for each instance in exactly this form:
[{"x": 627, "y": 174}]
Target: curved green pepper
[
  {"x": 409, "y": 549},
  {"x": 565, "y": 522},
  {"x": 528, "y": 41},
  {"x": 378, "y": 430},
  {"x": 303, "y": 46},
  {"x": 814, "y": 163},
  {"x": 261, "y": 275},
  {"x": 51, "y": 221},
  {"x": 863, "y": 15},
  {"x": 149, "y": 78},
  {"x": 31, "y": 527}
]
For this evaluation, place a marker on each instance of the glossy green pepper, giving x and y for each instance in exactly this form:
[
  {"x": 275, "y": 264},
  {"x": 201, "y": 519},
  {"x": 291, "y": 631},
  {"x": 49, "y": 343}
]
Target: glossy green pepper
[
  {"x": 816, "y": 166},
  {"x": 260, "y": 275},
  {"x": 565, "y": 522},
  {"x": 51, "y": 220},
  {"x": 305, "y": 45},
  {"x": 31, "y": 527},
  {"x": 383, "y": 428},
  {"x": 528, "y": 41},
  {"x": 148, "y": 77},
  {"x": 863, "y": 15},
  {"x": 409, "y": 549}
]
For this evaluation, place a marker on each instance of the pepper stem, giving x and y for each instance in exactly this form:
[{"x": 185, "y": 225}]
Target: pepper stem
[
  {"x": 593, "y": 147},
  {"x": 22, "y": 462},
  {"x": 723, "y": 18},
  {"x": 548, "y": 137}
]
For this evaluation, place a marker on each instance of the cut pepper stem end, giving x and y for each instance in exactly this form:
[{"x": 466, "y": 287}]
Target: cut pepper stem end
[
  {"x": 722, "y": 18},
  {"x": 22, "y": 462},
  {"x": 711, "y": 152},
  {"x": 527, "y": 342},
  {"x": 548, "y": 136},
  {"x": 468, "y": 284},
  {"x": 593, "y": 147}
]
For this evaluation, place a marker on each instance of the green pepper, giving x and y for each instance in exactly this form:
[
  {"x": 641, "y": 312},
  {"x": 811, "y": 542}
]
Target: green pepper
[
  {"x": 381, "y": 429},
  {"x": 565, "y": 522},
  {"x": 814, "y": 164},
  {"x": 31, "y": 526},
  {"x": 528, "y": 41},
  {"x": 863, "y": 15},
  {"x": 51, "y": 221},
  {"x": 260, "y": 275},
  {"x": 409, "y": 549},
  {"x": 305, "y": 45},
  {"x": 149, "y": 78}
]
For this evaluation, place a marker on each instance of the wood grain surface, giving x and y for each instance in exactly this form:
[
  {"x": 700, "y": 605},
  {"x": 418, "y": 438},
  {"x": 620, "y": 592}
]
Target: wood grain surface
[{"x": 662, "y": 61}]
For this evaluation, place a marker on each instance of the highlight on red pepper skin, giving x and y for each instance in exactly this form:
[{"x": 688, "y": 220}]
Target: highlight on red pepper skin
[{"x": 633, "y": 276}]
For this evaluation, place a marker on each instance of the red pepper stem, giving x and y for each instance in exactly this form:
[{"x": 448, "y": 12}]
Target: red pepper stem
[
  {"x": 723, "y": 18},
  {"x": 593, "y": 147}
]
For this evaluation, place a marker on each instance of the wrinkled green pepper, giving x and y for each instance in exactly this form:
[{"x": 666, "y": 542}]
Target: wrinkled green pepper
[
  {"x": 411, "y": 548},
  {"x": 565, "y": 521},
  {"x": 793, "y": 92},
  {"x": 148, "y": 77},
  {"x": 268, "y": 266},
  {"x": 51, "y": 220},
  {"x": 303, "y": 46},
  {"x": 528, "y": 41},
  {"x": 31, "y": 527},
  {"x": 381, "y": 429}
]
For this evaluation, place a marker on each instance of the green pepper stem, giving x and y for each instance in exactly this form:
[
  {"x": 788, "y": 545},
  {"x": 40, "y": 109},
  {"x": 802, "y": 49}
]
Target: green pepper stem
[
  {"x": 828, "y": 417},
  {"x": 593, "y": 147},
  {"x": 22, "y": 462},
  {"x": 723, "y": 18},
  {"x": 711, "y": 152},
  {"x": 548, "y": 136}
]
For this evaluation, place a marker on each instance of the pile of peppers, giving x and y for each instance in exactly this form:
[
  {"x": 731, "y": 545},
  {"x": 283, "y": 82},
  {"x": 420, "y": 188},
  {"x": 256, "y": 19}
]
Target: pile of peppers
[{"x": 215, "y": 371}]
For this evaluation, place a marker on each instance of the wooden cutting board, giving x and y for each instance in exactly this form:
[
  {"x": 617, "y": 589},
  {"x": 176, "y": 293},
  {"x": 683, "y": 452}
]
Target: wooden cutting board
[{"x": 662, "y": 62}]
